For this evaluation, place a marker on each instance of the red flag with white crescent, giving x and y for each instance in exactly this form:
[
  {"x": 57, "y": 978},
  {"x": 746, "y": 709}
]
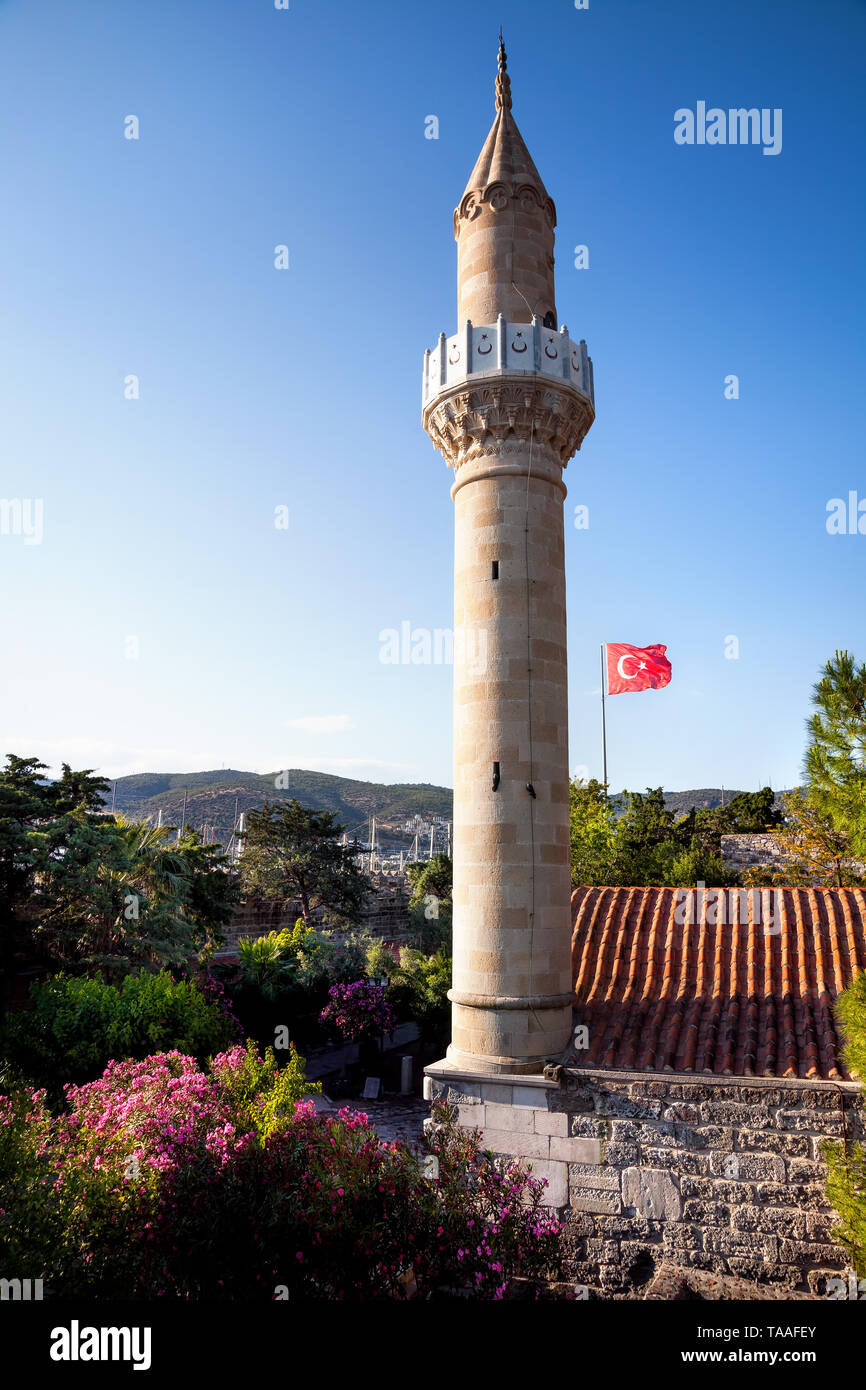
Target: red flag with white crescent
[{"x": 636, "y": 668}]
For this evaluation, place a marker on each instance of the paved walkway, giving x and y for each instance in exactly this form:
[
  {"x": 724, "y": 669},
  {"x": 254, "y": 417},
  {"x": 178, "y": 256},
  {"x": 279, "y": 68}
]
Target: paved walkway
[
  {"x": 395, "y": 1117},
  {"x": 322, "y": 1061}
]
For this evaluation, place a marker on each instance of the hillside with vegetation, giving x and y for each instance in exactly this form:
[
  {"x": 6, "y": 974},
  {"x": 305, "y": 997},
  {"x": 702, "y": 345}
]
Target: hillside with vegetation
[
  {"x": 212, "y": 798},
  {"x": 704, "y": 799}
]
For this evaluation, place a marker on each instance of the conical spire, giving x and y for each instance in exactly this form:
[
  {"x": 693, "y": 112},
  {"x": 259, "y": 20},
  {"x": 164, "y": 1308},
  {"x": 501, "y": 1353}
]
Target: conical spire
[
  {"x": 504, "y": 156},
  {"x": 504, "y": 225}
]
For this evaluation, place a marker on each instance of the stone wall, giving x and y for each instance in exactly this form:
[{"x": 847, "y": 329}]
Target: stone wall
[
  {"x": 761, "y": 850},
  {"x": 715, "y": 1173},
  {"x": 385, "y": 912},
  {"x": 740, "y": 852}
]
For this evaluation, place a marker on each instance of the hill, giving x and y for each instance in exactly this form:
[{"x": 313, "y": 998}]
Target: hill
[
  {"x": 212, "y": 797},
  {"x": 703, "y": 798}
]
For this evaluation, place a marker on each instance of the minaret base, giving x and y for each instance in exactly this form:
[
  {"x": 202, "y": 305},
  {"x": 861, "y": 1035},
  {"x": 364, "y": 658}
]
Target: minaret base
[
  {"x": 509, "y": 1036},
  {"x": 520, "y": 1117},
  {"x": 495, "y": 1066}
]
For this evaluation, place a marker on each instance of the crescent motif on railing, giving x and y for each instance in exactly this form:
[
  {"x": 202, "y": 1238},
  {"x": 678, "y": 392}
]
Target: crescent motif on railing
[
  {"x": 548, "y": 353},
  {"x": 521, "y": 348},
  {"x": 455, "y": 357},
  {"x": 483, "y": 351}
]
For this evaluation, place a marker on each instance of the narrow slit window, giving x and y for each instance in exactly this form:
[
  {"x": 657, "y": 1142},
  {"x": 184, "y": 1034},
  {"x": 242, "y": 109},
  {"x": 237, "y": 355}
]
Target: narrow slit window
[{"x": 494, "y": 570}]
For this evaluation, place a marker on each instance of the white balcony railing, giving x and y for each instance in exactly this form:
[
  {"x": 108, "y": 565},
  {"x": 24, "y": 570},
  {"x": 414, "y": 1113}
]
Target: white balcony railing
[{"x": 504, "y": 348}]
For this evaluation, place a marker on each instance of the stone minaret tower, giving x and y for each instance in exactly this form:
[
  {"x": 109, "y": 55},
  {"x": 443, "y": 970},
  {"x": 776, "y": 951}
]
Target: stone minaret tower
[{"x": 507, "y": 401}]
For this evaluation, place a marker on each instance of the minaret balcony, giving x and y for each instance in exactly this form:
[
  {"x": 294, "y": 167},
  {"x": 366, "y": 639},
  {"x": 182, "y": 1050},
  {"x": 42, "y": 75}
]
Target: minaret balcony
[{"x": 506, "y": 349}]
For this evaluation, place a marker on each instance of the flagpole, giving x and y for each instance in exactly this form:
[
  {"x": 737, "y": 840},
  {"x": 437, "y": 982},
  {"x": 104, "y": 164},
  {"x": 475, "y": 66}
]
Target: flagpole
[{"x": 603, "y": 726}]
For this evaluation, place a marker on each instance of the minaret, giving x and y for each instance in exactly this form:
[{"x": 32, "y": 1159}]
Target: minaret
[{"x": 507, "y": 401}]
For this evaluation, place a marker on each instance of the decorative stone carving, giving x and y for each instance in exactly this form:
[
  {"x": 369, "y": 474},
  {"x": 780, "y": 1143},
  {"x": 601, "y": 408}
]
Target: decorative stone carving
[
  {"x": 500, "y": 197},
  {"x": 497, "y": 416}
]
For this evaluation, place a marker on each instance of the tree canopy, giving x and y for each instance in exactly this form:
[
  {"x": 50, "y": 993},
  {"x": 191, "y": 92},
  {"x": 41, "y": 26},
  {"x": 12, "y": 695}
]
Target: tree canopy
[
  {"x": 430, "y": 905},
  {"x": 86, "y": 890},
  {"x": 636, "y": 840},
  {"x": 835, "y": 763},
  {"x": 290, "y": 851}
]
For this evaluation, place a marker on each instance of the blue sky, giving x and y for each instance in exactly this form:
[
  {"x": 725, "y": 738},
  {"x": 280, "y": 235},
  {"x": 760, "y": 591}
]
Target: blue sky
[{"x": 258, "y": 648}]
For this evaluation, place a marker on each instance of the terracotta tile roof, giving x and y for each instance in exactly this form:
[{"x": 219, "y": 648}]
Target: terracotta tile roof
[{"x": 746, "y": 987}]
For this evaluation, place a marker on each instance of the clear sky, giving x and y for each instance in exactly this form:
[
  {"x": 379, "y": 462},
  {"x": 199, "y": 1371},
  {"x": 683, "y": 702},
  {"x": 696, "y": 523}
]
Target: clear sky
[{"x": 258, "y": 647}]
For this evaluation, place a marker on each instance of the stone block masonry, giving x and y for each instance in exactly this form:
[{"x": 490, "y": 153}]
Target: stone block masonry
[
  {"x": 761, "y": 850},
  {"x": 384, "y": 912},
  {"x": 721, "y": 1174},
  {"x": 751, "y": 851},
  {"x": 507, "y": 400}
]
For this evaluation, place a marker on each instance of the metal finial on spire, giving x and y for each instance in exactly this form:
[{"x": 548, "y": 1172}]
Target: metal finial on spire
[{"x": 503, "y": 81}]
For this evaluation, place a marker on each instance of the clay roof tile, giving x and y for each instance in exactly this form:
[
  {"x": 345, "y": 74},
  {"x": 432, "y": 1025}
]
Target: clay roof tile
[{"x": 727, "y": 982}]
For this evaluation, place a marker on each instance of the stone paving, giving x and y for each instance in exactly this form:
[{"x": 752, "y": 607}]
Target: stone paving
[{"x": 395, "y": 1117}]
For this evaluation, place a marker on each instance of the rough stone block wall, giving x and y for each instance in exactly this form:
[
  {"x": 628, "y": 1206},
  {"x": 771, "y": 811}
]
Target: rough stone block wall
[
  {"x": 721, "y": 1174},
  {"x": 761, "y": 850},
  {"x": 740, "y": 852},
  {"x": 385, "y": 912}
]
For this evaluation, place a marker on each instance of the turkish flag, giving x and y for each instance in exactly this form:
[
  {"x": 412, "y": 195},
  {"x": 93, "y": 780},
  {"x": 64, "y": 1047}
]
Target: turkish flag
[{"x": 636, "y": 668}]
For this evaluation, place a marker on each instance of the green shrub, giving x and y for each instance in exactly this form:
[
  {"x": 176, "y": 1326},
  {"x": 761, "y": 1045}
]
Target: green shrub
[
  {"x": 381, "y": 961},
  {"x": 284, "y": 978},
  {"x": 263, "y": 1093},
  {"x": 852, "y": 1015},
  {"x": 418, "y": 990},
  {"x": 268, "y": 963},
  {"x": 696, "y": 865},
  {"x": 78, "y": 1025},
  {"x": 846, "y": 1171}
]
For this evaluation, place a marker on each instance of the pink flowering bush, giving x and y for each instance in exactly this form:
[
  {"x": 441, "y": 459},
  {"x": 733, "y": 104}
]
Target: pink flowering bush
[
  {"x": 166, "y": 1180},
  {"x": 358, "y": 1011},
  {"x": 491, "y": 1223}
]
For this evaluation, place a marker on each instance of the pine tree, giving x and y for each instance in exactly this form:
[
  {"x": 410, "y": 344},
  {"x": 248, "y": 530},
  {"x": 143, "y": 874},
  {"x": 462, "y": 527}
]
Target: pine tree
[
  {"x": 812, "y": 852},
  {"x": 846, "y": 1165},
  {"x": 835, "y": 765}
]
